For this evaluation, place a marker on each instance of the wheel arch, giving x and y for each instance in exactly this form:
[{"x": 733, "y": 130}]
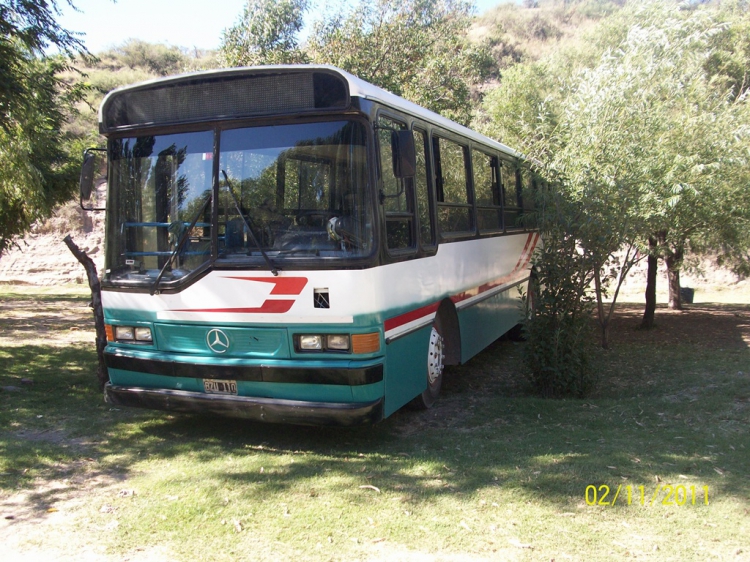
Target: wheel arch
[{"x": 447, "y": 318}]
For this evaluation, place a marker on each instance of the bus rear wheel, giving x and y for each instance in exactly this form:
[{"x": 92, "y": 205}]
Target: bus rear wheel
[{"x": 435, "y": 368}]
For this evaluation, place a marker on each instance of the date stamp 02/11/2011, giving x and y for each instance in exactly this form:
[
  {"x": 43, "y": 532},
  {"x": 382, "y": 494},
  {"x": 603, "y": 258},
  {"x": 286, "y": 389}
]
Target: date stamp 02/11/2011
[{"x": 663, "y": 494}]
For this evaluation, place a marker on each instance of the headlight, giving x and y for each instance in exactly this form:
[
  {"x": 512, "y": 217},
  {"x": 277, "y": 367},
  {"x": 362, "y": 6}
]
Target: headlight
[
  {"x": 338, "y": 342},
  {"x": 311, "y": 342},
  {"x": 124, "y": 333},
  {"x": 129, "y": 334},
  {"x": 143, "y": 334}
]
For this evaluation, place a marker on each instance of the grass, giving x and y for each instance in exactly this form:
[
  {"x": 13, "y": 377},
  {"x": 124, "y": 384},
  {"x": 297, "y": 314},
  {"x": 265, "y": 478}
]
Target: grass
[{"x": 490, "y": 473}]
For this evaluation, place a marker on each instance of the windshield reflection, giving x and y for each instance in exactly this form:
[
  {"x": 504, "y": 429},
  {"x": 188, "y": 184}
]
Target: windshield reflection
[
  {"x": 296, "y": 193},
  {"x": 301, "y": 187}
]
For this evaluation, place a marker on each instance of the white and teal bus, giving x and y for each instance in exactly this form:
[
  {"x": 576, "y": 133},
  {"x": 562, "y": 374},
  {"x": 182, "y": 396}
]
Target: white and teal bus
[{"x": 292, "y": 244}]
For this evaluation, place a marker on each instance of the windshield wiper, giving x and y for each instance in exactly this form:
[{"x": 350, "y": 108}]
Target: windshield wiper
[
  {"x": 180, "y": 243},
  {"x": 246, "y": 220}
]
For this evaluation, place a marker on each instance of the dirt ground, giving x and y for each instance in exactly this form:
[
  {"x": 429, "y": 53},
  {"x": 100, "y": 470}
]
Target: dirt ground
[{"x": 704, "y": 324}]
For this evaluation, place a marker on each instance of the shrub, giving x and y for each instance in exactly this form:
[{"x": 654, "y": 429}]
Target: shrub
[{"x": 558, "y": 307}]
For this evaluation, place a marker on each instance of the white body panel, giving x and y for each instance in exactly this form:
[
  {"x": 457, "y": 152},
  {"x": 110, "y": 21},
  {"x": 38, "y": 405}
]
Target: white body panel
[{"x": 249, "y": 296}]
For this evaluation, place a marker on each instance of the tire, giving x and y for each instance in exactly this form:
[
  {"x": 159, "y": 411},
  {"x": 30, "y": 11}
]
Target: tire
[{"x": 435, "y": 367}]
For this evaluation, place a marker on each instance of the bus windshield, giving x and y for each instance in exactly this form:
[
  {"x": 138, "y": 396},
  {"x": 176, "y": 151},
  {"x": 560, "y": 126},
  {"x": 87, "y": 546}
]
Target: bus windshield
[{"x": 296, "y": 193}]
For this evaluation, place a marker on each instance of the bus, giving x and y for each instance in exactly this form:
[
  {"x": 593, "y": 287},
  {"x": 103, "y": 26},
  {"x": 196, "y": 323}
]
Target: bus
[{"x": 292, "y": 244}]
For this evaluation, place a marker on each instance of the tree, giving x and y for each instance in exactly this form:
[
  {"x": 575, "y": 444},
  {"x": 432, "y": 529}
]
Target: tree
[
  {"x": 27, "y": 27},
  {"x": 639, "y": 137},
  {"x": 417, "y": 49},
  {"x": 558, "y": 326},
  {"x": 691, "y": 63},
  {"x": 566, "y": 126},
  {"x": 267, "y": 33},
  {"x": 37, "y": 170}
]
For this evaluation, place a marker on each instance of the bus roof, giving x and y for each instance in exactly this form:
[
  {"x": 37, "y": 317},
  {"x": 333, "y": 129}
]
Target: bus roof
[{"x": 357, "y": 87}]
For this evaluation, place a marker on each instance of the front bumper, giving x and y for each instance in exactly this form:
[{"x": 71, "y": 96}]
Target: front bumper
[{"x": 252, "y": 408}]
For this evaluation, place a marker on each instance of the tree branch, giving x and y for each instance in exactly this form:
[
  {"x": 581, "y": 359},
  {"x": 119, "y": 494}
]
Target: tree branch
[{"x": 96, "y": 304}]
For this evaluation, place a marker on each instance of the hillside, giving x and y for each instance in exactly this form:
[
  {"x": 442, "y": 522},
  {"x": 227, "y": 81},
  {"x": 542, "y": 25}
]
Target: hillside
[
  {"x": 534, "y": 30},
  {"x": 42, "y": 258}
]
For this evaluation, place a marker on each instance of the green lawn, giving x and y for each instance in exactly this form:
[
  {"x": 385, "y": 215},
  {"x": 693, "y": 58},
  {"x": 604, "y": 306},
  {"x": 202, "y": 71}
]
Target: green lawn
[{"x": 490, "y": 473}]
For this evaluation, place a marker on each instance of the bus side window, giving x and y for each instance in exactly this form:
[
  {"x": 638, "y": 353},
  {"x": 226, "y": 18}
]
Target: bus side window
[
  {"x": 454, "y": 204},
  {"x": 397, "y": 194},
  {"x": 529, "y": 182},
  {"x": 423, "y": 191},
  {"x": 510, "y": 190},
  {"x": 486, "y": 192}
]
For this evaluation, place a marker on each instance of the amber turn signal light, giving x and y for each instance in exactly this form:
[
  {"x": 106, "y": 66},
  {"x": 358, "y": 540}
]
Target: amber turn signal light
[{"x": 366, "y": 343}]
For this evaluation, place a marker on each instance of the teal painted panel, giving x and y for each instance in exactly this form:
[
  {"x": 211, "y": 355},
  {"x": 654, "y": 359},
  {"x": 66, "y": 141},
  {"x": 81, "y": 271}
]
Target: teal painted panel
[
  {"x": 288, "y": 391},
  {"x": 243, "y": 342},
  {"x": 340, "y": 362},
  {"x": 367, "y": 392},
  {"x": 406, "y": 369},
  {"x": 485, "y": 321},
  {"x": 248, "y": 340}
]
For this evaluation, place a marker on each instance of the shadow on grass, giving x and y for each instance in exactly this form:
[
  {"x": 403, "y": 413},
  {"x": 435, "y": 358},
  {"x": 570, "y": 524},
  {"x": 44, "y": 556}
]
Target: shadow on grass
[
  {"x": 48, "y": 397},
  {"x": 38, "y": 318},
  {"x": 552, "y": 459},
  {"x": 671, "y": 412}
]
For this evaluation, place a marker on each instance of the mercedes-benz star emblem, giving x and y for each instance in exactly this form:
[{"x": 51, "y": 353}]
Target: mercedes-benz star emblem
[{"x": 217, "y": 341}]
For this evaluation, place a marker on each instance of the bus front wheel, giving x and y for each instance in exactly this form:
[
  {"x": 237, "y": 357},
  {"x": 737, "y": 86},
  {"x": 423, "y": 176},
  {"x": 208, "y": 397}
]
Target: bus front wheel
[{"x": 435, "y": 367}]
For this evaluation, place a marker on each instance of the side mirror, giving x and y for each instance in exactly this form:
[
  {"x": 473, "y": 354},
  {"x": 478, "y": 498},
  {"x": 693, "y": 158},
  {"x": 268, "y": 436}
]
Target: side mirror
[
  {"x": 404, "y": 154},
  {"x": 93, "y": 171}
]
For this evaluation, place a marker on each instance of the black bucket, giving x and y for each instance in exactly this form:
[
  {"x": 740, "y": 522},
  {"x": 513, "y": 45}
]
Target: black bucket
[{"x": 686, "y": 295}]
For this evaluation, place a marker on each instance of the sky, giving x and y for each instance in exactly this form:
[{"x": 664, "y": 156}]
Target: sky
[{"x": 182, "y": 23}]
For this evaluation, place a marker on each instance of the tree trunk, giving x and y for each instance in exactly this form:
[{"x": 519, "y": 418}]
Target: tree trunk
[
  {"x": 653, "y": 269},
  {"x": 674, "y": 263},
  {"x": 96, "y": 303},
  {"x": 603, "y": 318}
]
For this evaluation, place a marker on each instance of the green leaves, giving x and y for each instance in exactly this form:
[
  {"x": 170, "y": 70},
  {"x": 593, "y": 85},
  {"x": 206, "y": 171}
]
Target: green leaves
[
  {"x": 36, "y": 171},
  {"x": 265, "y": 34},
  {"x": 639, "y": 134},
  {"x": 557, "y": 354},
  {"x": 417, "y": 49}
]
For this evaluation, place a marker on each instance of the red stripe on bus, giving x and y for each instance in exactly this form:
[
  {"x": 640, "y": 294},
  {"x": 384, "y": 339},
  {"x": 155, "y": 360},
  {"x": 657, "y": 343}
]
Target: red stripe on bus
[
  {"x": 523, "y": 261},
  {"x": 531, "y": 250},
  {"x": 416, "y": 314},
  {"x": 528, "y": 252},
  {"x": 281, "y": 285},
  {"x": 525, "y": 250},
  {"x": 482, "y": 288},
  {"x": 271, "y": 306},
  {"x": 398, "y": 321}
]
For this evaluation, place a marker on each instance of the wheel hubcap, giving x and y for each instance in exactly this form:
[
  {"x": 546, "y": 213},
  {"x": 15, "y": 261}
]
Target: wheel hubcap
[{"x": 435, "y": 357}]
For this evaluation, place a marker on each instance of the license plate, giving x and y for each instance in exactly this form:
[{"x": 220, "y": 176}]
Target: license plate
[{"x": 213, "y": 386}]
